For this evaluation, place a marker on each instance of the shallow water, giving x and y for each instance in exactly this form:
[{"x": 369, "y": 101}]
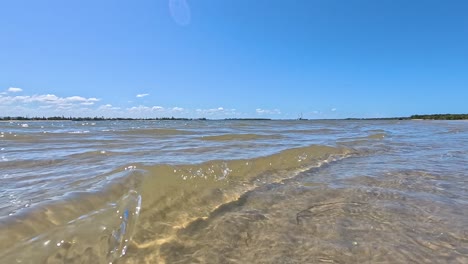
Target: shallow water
[{"x": 234, "y": 192}]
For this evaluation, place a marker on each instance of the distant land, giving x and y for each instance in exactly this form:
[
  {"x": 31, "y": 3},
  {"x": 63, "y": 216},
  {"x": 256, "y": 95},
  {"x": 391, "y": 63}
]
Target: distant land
[
  {"x": 421, "y": 117},
  {"x": 441, "y": 117},
  {"x": 63, "y": 118}
]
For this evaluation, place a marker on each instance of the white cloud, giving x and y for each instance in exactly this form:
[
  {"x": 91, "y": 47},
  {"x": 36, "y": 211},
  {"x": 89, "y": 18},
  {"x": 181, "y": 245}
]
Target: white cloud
[
  {"x": 155, "y": 111},
  {"x": 80, "y": 106},
  {"x": 64, "y": 106},
  {"x": 333, "y": 109},
  {"x": 14, "y": 90},
  {"x": 141, "y": 95},
  {"x": 46, "y": 106},
  {"x": 81, "y": 99},
  {"x": 219, "y": 112},
  {"x": 211, "y": 110},
  {"x": 267, "y": 112},
  {"x": 140, "y": 108},
  {"x": 107, "y": 107},
  {"x": 47, "y": 101}
]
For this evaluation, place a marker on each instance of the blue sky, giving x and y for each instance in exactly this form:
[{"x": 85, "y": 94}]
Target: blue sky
[{"x": 233, "y": 58}]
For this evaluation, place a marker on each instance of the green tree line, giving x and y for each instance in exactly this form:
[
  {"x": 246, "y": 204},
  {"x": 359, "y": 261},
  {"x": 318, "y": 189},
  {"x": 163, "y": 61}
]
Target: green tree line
[
  {"x": 441, "y": 117},
  {"x": 63, "y": 118}
]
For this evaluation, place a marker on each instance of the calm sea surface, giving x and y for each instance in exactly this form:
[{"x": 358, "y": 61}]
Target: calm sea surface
[{"x": 234, "y": 192}]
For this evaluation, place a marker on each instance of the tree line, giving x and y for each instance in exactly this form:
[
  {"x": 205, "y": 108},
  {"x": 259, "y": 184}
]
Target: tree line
[
  {"x": 96, "y": 118},
  {"x": 64, "y": 118},
  {"x": 441, "y": 117}
]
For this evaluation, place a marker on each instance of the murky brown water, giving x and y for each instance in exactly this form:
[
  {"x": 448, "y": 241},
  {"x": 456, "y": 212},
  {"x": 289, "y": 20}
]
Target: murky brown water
[{"x": 234, "y": 192}]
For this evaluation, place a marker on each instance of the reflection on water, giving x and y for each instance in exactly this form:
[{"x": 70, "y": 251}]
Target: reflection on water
[{"x": 234, "y": 192}]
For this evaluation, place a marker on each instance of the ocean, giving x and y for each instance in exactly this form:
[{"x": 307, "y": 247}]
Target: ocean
[{"x": 234, "y": 191}]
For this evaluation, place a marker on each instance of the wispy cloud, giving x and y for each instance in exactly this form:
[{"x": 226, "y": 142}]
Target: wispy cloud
[
  {"x": 14, "y": 90},
  {"x": 156, "y": 111},
  {"x": 106, "y": 106},
  {"x": 219, "y": 112},
  {"x": 141, "y": 95},
  {"x": 333, "y": 109},
  {"x": 267, "y": 111},
  {"x": 147, "y": 109},
  {"x": 140, "y": 108},
  {"x": 211, "y": 110}
]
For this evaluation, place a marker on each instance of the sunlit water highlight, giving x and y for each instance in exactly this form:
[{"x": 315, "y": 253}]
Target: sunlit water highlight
[{"x": 234, "y": 192}]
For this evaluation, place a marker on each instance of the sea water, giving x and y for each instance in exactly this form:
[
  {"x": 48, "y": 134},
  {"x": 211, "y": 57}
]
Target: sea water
[{"x": 234, "y": 191}]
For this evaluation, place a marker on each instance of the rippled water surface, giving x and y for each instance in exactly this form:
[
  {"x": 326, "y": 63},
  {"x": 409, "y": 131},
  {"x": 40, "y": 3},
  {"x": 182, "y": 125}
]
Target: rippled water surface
[{"x": 234, "y": 191}]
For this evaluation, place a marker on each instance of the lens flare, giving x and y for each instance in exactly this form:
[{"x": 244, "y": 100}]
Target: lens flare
[{"x": 180, "y": 11}]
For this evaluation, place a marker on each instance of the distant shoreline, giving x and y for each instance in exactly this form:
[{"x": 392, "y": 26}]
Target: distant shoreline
[{"x": 88, "y": 119}]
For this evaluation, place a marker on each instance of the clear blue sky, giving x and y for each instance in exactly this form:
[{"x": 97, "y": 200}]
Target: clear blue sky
[{"x": 233, "y": 58}]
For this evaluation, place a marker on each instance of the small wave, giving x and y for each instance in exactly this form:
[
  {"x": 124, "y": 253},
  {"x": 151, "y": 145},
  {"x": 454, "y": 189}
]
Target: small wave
[
  {"x": 375, "y": 131},
  {"x": 97, "y": 226},
  {"x": 290, "y": 159},
  {"x": 27, "y": 138},
  {"x": 377, "y": 136},
  {"x": 178, "y": 195},
  {"x": 101, "y": 236},
  {"x": 359, "y": 140},
  {"x": 55, "y": 161},
  {"x": 92, "y": 154},
  {"x": 228, "y": 137},
  {"x": 79, "y": 132},
  {"x": 155, "y": 131},
  {"x": 453, "y": 131},
  {"x": 72, "y": 218},
  {"x": 321, "y": 131}
]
